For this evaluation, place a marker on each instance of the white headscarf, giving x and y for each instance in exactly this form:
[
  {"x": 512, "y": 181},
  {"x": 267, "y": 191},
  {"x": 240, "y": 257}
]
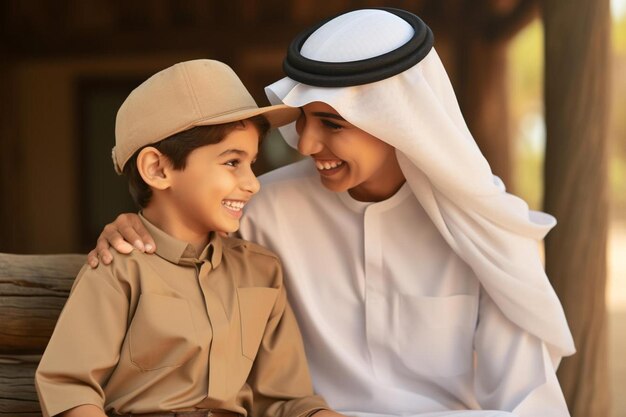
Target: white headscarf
[{"x": 417, "y": 112}]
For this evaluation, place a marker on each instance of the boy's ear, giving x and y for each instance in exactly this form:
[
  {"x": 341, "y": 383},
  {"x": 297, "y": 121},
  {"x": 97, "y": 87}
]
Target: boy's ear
[{"x": 154, "y": 168}]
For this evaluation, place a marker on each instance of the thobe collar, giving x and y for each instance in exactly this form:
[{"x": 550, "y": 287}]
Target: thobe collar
[
  {"x": 183, "y": 253},
  {"x": 360, "y": 206}
]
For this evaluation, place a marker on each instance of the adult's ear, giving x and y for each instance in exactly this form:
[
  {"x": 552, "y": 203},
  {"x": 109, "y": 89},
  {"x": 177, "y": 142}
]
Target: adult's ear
[{"x": 154, "y": 168}]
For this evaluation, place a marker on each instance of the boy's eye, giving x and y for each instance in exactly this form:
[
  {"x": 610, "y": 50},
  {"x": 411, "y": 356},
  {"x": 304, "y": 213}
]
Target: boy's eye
[
  {"x": 330, "y": 124},
  {"x": 233, "y": 162}
]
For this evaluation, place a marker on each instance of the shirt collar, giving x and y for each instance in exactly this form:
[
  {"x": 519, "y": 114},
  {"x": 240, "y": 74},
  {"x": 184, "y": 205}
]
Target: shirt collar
[{"x": 183, "y": 253}]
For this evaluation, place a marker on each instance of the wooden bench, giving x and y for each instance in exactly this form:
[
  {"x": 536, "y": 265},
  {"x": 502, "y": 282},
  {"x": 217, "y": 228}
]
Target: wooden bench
[{"x": 33, "y": 290}]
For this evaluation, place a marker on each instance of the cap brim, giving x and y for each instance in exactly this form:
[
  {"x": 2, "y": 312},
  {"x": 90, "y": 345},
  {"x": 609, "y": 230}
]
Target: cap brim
[{"x": 277, "y": 115}]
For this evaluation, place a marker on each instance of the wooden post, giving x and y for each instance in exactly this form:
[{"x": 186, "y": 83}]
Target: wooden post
[{"x": 576, "y": 102}]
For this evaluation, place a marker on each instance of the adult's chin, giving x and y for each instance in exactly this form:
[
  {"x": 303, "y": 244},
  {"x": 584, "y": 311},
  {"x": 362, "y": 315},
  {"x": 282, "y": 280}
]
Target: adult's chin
[{"x": 335, "y": 185}]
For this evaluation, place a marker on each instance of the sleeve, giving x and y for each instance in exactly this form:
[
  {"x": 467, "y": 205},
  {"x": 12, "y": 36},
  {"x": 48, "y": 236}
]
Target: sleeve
[
  {"x": 514, "y": 371},
  {"x": 85, "y": 345},
  {"x": 280, "y": 379}
]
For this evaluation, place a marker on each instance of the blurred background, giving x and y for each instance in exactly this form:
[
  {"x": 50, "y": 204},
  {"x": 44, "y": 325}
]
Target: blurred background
[{"x": 541, "y": 85}]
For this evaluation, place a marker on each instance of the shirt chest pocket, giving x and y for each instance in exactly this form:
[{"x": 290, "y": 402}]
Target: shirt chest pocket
[
  {"x": 161, "y": 333},
  {"x": 255, "y": 307},
  {"x": 437, "y": 334}
]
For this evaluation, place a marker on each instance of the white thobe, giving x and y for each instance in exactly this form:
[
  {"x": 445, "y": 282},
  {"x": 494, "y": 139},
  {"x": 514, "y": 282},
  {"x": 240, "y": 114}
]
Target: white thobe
[{"x": 394, "y": 322}]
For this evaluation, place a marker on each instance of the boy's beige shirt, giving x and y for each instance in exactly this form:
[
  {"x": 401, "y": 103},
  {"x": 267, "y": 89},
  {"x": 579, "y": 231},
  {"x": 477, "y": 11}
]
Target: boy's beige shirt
[{"x": 173, "y": 331}]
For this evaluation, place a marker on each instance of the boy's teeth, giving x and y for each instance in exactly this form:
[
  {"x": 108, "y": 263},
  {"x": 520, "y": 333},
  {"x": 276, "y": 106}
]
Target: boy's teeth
[
  {"x": 233, "y": 205},
  {"x": 327, "y": 165}
]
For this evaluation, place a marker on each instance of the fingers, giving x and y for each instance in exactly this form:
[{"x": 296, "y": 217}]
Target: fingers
[
  {"x": 102, "y": 248},
  {"x": 127, "y": 235},
  {"x": 131, "y": 230},
  {"x": 145, "y": 239},
  {"x": 126, "y": 228},
  {"x": 112, "y": 237},
  {"x": 92, "y": 258},
  {"x": 102, "y": 253}
]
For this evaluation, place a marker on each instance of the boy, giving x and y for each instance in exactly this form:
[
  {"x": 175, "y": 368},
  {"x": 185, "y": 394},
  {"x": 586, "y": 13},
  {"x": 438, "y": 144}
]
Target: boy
[{"x": 204, "y": 328}]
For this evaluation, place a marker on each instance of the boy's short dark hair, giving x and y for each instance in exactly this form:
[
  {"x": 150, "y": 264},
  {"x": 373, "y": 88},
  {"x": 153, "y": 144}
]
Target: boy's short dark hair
[{"x": 178, "y": 147}]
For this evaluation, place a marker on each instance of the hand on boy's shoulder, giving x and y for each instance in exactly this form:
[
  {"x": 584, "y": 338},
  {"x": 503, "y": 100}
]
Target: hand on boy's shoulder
[
  {"x": 119, "y": 268},
  {"x": 126, "y": 228},
  {"x": 118, "y": 274}
]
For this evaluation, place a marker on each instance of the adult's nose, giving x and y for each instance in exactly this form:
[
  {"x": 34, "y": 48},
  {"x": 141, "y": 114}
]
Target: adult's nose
[{"x": 309, "y": 142}]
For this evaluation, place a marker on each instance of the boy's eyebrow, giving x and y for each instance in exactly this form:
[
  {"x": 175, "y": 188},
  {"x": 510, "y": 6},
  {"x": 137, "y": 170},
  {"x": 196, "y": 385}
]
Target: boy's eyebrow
[
  {"x": 328, "y": 115},
  {"x": 235, "y": 151}
]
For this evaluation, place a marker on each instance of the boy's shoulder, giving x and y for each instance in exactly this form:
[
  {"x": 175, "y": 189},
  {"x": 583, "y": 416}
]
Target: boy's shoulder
[
  {"x": 134, "y": 257},
  {"x": 247, "y": 247},
  {"x": 120, "y": 274},
  {"x": 257, "y": 266},
  {"x": 123, "y": 265}
]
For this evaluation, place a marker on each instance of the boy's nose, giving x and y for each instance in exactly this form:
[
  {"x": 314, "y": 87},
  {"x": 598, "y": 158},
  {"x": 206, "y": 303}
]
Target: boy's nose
[{"x": 250, "y": 183}]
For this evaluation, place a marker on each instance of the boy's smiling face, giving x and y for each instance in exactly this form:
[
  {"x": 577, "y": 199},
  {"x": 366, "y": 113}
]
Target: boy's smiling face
[{"x": 210, "y": 192}]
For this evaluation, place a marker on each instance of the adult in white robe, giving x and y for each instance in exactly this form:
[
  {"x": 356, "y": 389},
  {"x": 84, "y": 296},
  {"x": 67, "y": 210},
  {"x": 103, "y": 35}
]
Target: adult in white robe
[{"x": 434, "y": 299}]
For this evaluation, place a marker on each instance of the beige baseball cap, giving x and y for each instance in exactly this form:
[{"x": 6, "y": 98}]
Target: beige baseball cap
[{"x": 192, "y": 93}]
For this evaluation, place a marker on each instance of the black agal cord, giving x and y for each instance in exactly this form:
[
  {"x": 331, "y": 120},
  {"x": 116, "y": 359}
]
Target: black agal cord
[{"x": 346, "y": 74}]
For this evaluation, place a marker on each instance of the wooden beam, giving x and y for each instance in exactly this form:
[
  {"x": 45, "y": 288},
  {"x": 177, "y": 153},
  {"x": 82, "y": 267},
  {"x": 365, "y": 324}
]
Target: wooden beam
[
  {"x": 18, "y": 396},
  {"x": 224, "y": 37},
  {"x": 33, "y": 290}
]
